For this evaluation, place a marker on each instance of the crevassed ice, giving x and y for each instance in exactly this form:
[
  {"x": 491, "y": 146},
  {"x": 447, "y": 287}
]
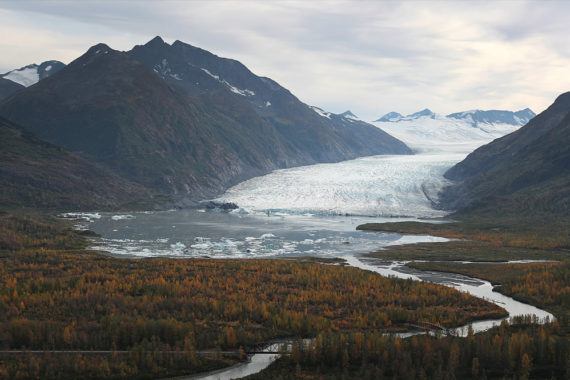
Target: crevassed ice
[{"x": 371, "y": 186}]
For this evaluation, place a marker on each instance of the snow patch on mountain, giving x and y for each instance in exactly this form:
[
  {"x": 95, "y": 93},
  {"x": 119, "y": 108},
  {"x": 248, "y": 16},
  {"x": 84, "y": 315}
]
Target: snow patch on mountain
[
  {"x": 232, "y": 88},
  {"x": 321, "y": 112},
  {"x": 25, "y": 76},
  {"x": 216, "y": 77}
]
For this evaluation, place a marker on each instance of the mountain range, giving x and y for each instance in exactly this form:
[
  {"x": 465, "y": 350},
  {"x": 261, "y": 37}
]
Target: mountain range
[
  {"x": 176, "y": 119},
  {"x": 477, "y": 118},
  {"x": 526, "y": 172},
  {"x": 426, "y": 131}
]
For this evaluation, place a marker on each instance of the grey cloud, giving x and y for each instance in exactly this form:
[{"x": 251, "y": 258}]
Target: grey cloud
[{"x": 367, "y": 56}]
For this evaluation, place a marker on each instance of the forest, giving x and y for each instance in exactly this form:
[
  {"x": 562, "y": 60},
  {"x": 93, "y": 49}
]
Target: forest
[
  {"x": 55, "y": 295},
  {"x": 522, "y": 350}
]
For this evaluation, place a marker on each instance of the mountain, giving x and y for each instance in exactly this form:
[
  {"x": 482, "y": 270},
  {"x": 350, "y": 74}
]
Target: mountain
[
  {"x": 349, "y": 115},
  {"x": 7, "y": 87},
  {"x": 35, "y": 173},
  {"x": 31, "y": 74},
  {"x": 422, "y": 113},
  {"x": 437, "y": 133},
  {"x": 313, "y": 135},
  {"x": 477, "y": 117},
  {"x": 524, "y": 173},
  {"x": 489, "y": 156},
  {"x": 157, "y": 126},
  {"x": 391, "y": 116}
]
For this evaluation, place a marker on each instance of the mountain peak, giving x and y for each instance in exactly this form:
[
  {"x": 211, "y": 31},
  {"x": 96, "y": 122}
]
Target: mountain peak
[
  {"x": 391, "y": 116},
  {"x": 424, "y": 112},
  {"x": 99, "y": 48},
  {"x": 156, "y": 41},
  {"x": 349, "y": 115}
]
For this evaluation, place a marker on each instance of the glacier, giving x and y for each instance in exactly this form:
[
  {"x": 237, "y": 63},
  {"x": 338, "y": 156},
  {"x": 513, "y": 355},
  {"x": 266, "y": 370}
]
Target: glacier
[{"x": 388, "y": 186}]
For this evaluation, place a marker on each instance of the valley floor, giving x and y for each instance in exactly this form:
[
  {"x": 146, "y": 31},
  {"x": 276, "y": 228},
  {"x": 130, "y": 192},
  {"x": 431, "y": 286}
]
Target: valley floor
[{"x": 54, "y": 295}]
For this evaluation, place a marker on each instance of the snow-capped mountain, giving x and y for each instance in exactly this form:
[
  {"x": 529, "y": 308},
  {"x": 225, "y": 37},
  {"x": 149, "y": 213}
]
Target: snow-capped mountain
[
  {"x": 425, "y": 131},
  {"x": 395, "y": 116},
  {"x": 349, "y": 115},
  {"x": 32, "y": 74},
  {"x": 426, "y": 112},
  {"x": 391, "y": 116},
  {"x": 477, "y": 117}
]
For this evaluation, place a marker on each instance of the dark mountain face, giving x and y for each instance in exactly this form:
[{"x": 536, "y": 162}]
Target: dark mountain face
[
  {"x": 527, "y": 171},
  {"x": 48, "y": 68},
  {"x": 35, "y": 173},
  {"x": 495, "y": 116},
  {"x": 114, "y": 110},
  {"x": 7, "y": 87},
  {"x": 314, "y": 137},
  {"x": 490, "y": 155},
  {"x": 159, "y": 132}
]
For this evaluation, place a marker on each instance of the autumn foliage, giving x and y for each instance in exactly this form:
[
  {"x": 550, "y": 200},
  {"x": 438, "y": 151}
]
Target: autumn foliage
[{"x": 54, "y": 296}]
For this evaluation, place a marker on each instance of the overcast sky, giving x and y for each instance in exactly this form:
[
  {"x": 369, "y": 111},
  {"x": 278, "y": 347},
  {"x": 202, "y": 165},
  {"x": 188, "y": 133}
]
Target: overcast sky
[{"x": 368, "y": 56}]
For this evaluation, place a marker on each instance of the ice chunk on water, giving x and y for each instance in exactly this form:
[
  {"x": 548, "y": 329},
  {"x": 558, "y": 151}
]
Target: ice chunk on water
[{"x": 122, "y": 217}]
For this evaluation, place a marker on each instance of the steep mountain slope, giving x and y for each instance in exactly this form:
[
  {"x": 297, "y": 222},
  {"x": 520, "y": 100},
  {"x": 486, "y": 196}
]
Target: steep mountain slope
[
  {"x": 313, "y": 136},
  {"x": 7, "y": 87},
  {"x": 35, "y": 173},
  {"x": 529, "y": 171},
  {"x": 491, "y": 155},
  {"x": 114, "y": 110},
  {"x": 31, "y": 74}
]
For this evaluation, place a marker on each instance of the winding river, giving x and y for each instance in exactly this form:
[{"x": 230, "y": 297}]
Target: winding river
[{"x": 476, "y": 287}]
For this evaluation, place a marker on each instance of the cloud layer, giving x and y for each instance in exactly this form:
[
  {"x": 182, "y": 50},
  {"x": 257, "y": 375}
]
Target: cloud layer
[{"x": 367, "y": 56}]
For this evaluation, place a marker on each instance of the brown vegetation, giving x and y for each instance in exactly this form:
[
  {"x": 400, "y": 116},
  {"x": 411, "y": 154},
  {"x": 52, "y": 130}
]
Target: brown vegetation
[{"x": 55, "y": 295}]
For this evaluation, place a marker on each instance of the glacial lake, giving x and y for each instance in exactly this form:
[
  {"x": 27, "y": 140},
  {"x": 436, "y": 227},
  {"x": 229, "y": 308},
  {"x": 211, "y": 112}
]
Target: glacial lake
[{"x": 309, "y": 210}]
